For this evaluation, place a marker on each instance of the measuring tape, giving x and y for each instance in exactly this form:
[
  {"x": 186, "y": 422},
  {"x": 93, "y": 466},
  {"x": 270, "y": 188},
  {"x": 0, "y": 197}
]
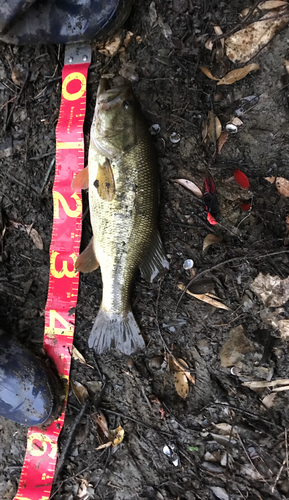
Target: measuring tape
[{"x": 41, "y": 452}]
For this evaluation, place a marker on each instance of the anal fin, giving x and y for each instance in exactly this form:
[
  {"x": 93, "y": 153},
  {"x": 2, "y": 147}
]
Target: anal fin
[
  {"x": 155, "y": 261},
  {"x": 80, "y": 181},
  {"x": 86, "y": 262}
]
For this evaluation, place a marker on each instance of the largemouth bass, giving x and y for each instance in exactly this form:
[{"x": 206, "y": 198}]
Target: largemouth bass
[{"x": 122, "y": 178}]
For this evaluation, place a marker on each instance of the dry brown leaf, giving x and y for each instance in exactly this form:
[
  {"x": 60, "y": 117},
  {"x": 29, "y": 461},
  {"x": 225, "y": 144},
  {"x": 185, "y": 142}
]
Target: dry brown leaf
[
  {"x": 238, "y": 74},
  {"x": 214, "y": 124},
  {"x": 207, "y": 72},
  {"x": 286, "y": 62},
  {"x": 233, "y": 350},
  {"x": 272, "y": 290},
  {"x": 279, "y": 389},
  {"x": 210, "y": 239},
  {"x": 222, "y": 140},
  {"x": 116, "y": 436},
  {"x": 77, "y": 355},
  {"x": 209, "y": 44},
  {"x": 269, "y": 400},
  {"x": 219, "y": 32},
  {"x": 226, "y": 429},
  {"x": 191, "y": 186},
  {"x": 206, "y": 297},
  {"x": 111, "y": 47},
  {"x": 35, "y": 236},
  {"x": 101, "y": 424},
  {"x": 181, "y": 384},
  {"x": 283, "y": 186},
  {"x": 236, "y": 121},
  {"x": 79, "y": 391},
  {"x": 270, "y": 179},
  {"x": 128, "y": 38},
  {"x": 179, "y": 365},
  {"x": 246, "y": 43},
  {"x": 204, "y": 131},
  {"x": 262, "y": 384},
  {"x": 272, "y": 4}
]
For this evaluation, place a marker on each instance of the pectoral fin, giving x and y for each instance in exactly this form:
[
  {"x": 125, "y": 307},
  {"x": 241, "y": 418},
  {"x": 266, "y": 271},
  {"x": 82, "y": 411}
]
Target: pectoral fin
[
  {"x": 86, "y": 262},
  {"x": 155, "y": 260},
  {"x": 80, "y": 181},
  {"x": 104, "y": 181}
]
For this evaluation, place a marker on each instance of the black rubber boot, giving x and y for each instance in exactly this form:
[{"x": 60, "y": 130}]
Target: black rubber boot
[
  {"x": 30, "y": 393},
  {"x": 60, "y": 21}
]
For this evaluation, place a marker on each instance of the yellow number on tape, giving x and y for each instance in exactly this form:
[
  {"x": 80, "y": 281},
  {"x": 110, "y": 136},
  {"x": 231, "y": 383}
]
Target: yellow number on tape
[
  {"x": 38, "y": 451},
  {"x": 64, "y": 271},
  {"x": 59, "y": 198}
]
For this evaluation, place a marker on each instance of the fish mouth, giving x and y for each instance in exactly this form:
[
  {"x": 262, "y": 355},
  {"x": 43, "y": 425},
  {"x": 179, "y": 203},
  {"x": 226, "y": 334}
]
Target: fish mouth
[{"x": 108, "y": 97}]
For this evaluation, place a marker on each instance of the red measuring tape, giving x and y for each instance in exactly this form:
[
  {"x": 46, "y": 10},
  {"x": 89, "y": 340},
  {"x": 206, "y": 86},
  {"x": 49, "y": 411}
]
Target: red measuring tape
[{"x": 41, "y": 452}]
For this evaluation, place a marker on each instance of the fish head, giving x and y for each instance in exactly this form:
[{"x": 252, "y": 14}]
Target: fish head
[{"x": 114, "y": 129}]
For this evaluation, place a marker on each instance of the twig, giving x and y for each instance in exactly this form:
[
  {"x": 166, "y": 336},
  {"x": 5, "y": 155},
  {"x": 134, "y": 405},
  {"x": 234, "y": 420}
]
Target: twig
[
  {"x": 96, "y": 402},
  {"x": 19, "y": 182},
  {"x": 42, "y": 156},
  {"x": 278, "y": 475},
  {"x": 234, "y": 259},
  {"x": 47, "y": 175},
  {"x": 136, "y": 421},
  {"x": 15, "y": 102},
  {"x": 70, "y": 437}
]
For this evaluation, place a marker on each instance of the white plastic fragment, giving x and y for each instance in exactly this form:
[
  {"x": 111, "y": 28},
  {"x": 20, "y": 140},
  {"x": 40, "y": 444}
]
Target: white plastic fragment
[
  {"x": 188, "y": 264},
  {"x": 231, "y": 128},
  {"x": 175, "y": 138},
  {"x": 155, "y": 129}
]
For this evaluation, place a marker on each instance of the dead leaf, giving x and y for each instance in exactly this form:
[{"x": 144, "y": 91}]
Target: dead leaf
[
  {"x": 236, "y": 121},
  {"x": 82, "y": 490},
  {"x": 181, "y": 384},
  {"x": 179, "y": 365},
  {"x": 262, "y": 384},
  {"x": 238, "y": 74},
  {"x": 246, "y": 43},
  {"x": 204, "y": 131},
  {"x": 35, "y": 236},
  {"x": 268, "y": 400},
  {"x": 79, "y": 391},
  {"x": 111, "y": 47},
  {"x": 128, "y": 38},
  {"x": 270, "y": 179},
  {"x": 191, "y": 186},
  {"x": 235, "y": 347},
  {"x": 101, "y": 424},
  {"x": 272, "y": 4},
  {"x": 207, "y": 72},
  {"x": 77, "y": 355},
  {"x": 209, "y": 44},
  {"x": 214, "y": 124},
  {"x": 206, "y": 297},
  {"x": 272, "y": 290},
  {"x": 251, "y": 472},
  {"x": 222, "y": 140},
  {"x": 210, "y": 239},
  {"x": 286, "y": 62},
  {"x": 116, "y": 436},
  {"x": 219, "y": 492},
  {"x": 283, "y": 186},
  {"x": 226, "y": 429}
]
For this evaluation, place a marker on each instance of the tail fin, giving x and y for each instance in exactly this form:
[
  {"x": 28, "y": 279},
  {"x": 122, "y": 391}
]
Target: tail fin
[{"x": 112, "y": 330}]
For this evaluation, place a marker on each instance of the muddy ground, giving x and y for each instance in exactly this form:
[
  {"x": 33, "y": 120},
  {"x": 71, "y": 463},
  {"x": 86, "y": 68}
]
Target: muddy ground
[{"x": 211, "y": 461}]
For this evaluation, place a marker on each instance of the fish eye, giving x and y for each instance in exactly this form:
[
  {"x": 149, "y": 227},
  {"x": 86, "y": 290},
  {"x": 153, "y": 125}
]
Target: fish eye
[{"x": 126, "y": 104}]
